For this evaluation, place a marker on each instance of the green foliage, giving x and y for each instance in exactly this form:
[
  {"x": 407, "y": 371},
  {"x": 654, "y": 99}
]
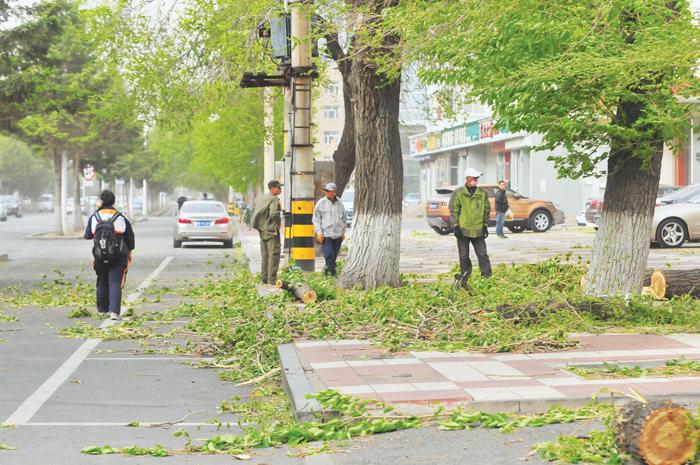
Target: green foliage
[
  {"x": 6, "y": 447},
  {"x": 59, "y": 292},
  {"x": 677, "y": 367},
  {"x": 155, "y": 451},
  {"x": 565, "y": 69}
]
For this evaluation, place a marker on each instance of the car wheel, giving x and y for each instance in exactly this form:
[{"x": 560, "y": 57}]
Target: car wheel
[
  {"x": 671, "y": 232},
  {"x": 540, "y": 220},
  {"x": 442, "y": 231},
  {"x": 177, "y": 244},
  {"x": 516, "y": 228},
  {"x": 228, "y": 244}
]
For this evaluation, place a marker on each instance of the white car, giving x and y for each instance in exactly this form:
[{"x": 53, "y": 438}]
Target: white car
[
  {"x": 45, "y": 203},
  {"x": 203, "y": 220},
  {"x": 348, "y": 199}
]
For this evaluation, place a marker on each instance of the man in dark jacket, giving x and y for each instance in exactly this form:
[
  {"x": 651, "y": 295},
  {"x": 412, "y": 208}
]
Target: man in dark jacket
[
  {"x": 501, "y": 208},
  {"x": 111, "y": 274},
  {"x": 470, "y": 209}
]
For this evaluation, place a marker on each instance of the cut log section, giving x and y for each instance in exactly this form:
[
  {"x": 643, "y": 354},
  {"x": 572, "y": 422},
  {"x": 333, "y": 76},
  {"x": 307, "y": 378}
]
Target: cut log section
[
  {"x": 657, "y": 433},
  {"x": 664, "y": 284},
  {"x": 301, "y": 291}
]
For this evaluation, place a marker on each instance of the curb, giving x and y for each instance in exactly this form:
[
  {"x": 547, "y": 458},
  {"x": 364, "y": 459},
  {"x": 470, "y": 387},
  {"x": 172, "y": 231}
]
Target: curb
[
  {"x": 297, "y": 384},
  {"x": 51, "y": 236}
]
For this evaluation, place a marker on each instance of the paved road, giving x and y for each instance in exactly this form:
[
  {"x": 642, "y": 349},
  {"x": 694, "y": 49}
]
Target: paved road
[{"x": 65, "y": 394}]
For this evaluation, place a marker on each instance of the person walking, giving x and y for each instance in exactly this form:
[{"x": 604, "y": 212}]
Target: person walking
[
  {"x": 330, "y": 223},
  {"x": 469, "y": 210},
  {"x": 113, "y": 242},
  {"x": 501, "y": 203},
  {"x": 267, "y": 220}
]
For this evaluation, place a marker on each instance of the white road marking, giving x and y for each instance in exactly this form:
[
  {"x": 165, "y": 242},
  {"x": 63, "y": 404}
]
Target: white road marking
[
  {"x": 122, "y": 424},
  {"x": 33, "y": 403}
]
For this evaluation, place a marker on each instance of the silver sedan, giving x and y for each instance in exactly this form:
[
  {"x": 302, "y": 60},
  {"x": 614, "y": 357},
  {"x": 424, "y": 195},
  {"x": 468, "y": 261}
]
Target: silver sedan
[
  {"x": 203, "y": 220},
  {"x": 676, "y": 223}
]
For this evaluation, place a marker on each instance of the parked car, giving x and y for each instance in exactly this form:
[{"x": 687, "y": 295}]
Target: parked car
[
  {"x": 681, "y": 195},
  {"x": 45, "y": 203},
  {"x": 594, "y": 207},
  {"x": 348, "y": 199},
  {"x": 411, "y": 200},
  {"x": 203, "y": 220},
  {"x": 532, "y": 214},
  {"x": 3, "y": 213},
  {"x": 677, "y": 223},
  {"x": 12, "y": 205}
]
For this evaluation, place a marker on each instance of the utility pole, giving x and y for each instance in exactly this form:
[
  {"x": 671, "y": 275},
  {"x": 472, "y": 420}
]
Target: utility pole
[
  {"x": 269, "y": 147},
  {"x": 302, "y": 163}
]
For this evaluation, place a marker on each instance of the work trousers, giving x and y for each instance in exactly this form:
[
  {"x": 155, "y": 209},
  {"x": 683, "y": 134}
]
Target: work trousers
[
  {"x": 465, "y": 263},
  {"x": 331, "y": 248},
  {"x": 109, "y": 287},
  {"x": 269, "y": 259}
]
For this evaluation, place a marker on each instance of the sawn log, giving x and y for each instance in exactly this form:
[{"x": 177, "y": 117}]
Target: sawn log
[
  {"x": 668, "y": 283},
  {"x": 301, "y": 291}
]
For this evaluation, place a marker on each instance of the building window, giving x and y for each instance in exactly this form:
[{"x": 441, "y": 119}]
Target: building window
[
  {"x": 333, "y": 89},
  {"x": 331, "y": 137},
  {"x": 330, "y": 112}
]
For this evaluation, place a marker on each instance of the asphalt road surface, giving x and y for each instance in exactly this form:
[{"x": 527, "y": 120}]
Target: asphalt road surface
[{"x": 64, "y": 394}]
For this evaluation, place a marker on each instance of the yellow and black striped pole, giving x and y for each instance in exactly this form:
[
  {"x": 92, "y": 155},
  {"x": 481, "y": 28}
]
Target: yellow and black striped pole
[{"x": 302, "y": 163}]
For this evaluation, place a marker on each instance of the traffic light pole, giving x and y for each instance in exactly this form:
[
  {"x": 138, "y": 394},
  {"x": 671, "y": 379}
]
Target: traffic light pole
[{"x": 302, "y": 163}]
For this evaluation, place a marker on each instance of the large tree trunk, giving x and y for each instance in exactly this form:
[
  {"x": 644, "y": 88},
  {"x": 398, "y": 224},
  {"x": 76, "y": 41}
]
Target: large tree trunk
[
  {"x": 58, "y": 201},
  {"x": 373, "y": 258},
  {"x": 344, "y": 155},
  {"x": 621, "y": 247},
  {"x": 78, "y": 224}
]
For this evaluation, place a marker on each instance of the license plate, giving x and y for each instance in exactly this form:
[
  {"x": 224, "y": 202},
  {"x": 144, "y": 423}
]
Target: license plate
[{"x": 203, "y": 223}]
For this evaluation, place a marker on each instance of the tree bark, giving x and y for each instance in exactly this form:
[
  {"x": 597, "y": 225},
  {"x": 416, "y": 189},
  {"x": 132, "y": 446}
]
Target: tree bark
[
  {"x": 656, "y": 433},
  {"x": 58, "y": 201},
  {"x": 669, "y": 283},
  {"x": 344, "y": 155},
  {"x": 78, "y": 224},
  {"x": 621, "y": 247},
  {"x": 373, "y": 257}
]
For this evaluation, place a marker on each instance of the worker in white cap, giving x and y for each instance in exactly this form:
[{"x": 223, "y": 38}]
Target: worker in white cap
[
  {"x": 469, "y": 210},
  {"x": 329, "y": 226}
]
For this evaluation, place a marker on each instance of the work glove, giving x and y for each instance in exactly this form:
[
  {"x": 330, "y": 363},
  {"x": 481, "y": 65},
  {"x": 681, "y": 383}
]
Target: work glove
[
  {"x": 485, "y": 232},
  {"x": 458, "y": 232},
  {"x": 319, "y": 238}
]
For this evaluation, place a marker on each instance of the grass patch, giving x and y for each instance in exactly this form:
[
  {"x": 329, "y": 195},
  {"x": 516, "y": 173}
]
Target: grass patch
[{"x": 679, "y": 367}]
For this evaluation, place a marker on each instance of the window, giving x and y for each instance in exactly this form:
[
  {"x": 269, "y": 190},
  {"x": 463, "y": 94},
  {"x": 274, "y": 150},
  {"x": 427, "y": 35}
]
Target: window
[
  {"x": 333, "y": 89},
  {"x": 331, "y": 137},
  {"x": 330, "y": 112}
]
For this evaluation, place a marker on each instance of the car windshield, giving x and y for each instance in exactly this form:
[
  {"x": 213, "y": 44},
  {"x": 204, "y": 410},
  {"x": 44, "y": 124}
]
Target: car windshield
[
  {"x": 684, "y": 194},
  {"x": 203, "y": 207}
]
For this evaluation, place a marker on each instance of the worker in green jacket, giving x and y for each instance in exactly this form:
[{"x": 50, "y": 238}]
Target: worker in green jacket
[
  {"x": 267, "y": 220},
  {"x": 470, "y": 209}
]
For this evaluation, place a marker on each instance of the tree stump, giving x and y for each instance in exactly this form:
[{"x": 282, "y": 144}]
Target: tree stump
[
  {"x": 301, "y": 291},
  {"x": 657, "y": 433},
  {"x": 668, "y": 283}
]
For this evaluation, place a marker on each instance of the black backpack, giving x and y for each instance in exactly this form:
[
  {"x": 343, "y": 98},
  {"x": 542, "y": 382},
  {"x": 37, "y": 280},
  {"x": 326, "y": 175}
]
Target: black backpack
[{"x": 108, "y": 246}]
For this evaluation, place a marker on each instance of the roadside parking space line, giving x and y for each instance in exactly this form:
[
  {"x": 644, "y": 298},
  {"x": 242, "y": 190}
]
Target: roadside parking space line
[{"x": 33, "y": 403}]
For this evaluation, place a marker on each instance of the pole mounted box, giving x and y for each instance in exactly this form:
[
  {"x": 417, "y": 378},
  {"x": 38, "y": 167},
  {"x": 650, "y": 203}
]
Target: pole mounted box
[{"x": 280, "y": 38}]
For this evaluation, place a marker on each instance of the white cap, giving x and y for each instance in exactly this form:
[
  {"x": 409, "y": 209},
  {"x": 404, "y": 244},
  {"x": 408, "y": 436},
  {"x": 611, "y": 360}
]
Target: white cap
[
  {"x": 330, "y": 187},
  {"x": 472, "y": 173}
]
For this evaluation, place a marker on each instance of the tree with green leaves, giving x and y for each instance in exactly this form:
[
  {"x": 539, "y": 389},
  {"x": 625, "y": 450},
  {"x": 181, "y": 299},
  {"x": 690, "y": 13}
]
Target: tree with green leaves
[
  {"x": 605, "y": 80},
  {"x": 56, "y": 92}
]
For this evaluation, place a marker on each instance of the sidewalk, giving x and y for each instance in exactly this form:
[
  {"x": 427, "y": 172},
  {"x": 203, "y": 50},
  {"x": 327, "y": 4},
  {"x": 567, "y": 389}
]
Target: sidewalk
[{"x": 493, "y": 382}]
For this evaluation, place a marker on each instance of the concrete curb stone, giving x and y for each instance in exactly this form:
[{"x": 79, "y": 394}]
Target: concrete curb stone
[{"x": 298, "y": 382}]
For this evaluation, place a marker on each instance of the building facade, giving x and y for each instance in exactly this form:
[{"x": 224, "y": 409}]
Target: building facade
[{"x": 501, "y": 155}]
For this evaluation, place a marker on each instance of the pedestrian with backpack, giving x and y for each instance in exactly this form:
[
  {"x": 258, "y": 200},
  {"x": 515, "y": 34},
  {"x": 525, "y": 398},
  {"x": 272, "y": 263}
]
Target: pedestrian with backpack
[{"x": 113, "y": 241}]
